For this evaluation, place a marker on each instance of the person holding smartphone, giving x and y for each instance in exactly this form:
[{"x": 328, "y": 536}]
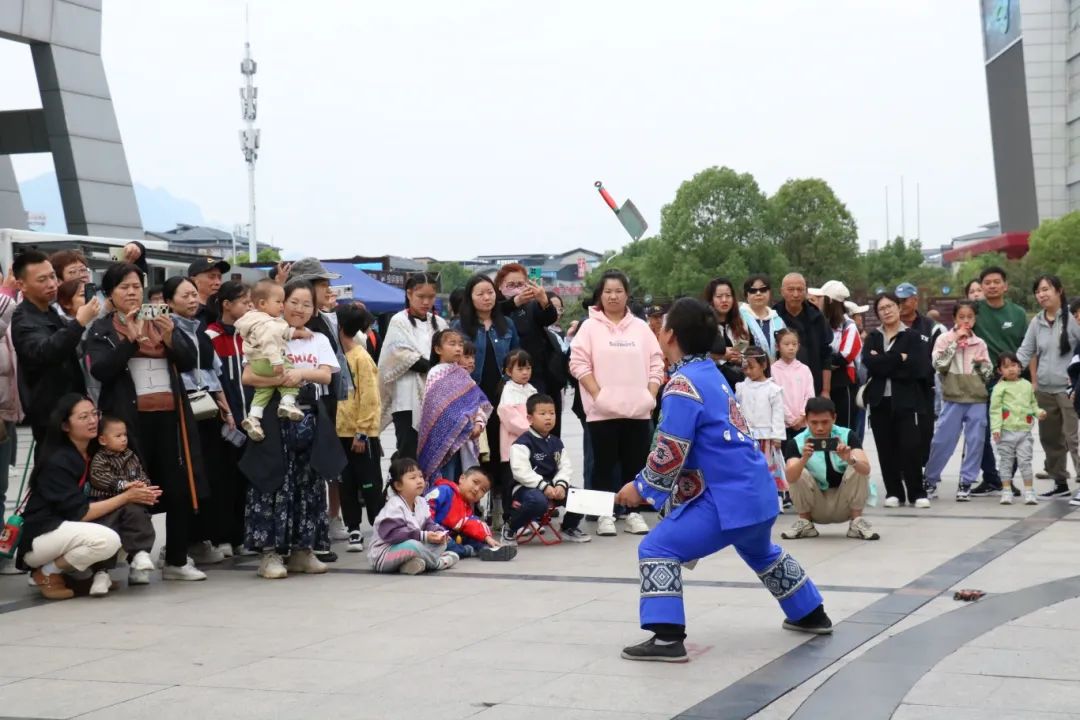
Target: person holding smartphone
[{"x": 829, "y": 475}]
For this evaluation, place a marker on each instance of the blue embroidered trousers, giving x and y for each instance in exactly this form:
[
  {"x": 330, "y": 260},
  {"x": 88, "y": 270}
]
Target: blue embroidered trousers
[{"x": 695, "y": 533}]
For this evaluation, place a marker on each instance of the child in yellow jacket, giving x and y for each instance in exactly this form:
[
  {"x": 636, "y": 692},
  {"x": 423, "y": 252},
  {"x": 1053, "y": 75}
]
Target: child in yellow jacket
[{"x": 358, "y": 427}]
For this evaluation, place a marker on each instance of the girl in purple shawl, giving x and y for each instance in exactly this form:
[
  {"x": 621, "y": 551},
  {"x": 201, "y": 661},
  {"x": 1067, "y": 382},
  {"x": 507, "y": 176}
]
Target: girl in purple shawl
[{"x": 455, "y": 409}]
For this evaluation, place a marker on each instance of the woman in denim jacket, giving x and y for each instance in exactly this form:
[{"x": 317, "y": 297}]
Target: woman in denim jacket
[{"x": 483, "y": 322}]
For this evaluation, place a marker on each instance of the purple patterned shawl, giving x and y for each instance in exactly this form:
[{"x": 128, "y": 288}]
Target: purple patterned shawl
[{"x": 451, "y": 403}]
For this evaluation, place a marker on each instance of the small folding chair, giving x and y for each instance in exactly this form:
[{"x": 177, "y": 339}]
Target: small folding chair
[{"x": 539, "y": 529}]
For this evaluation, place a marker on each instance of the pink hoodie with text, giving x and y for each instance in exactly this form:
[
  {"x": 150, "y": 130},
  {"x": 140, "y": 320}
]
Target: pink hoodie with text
[{"x": 623, "y": 358}]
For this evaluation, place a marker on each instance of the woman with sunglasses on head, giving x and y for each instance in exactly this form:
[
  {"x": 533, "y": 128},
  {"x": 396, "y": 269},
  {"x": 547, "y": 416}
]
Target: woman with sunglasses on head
[{"x": 758, "y": 315}]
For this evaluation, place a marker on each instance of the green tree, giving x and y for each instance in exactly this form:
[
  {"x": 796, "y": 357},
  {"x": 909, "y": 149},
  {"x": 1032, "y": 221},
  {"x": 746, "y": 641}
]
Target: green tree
[
  {"x": 452, "y": 275},
  {"x": 814, "y": 230},
  {"x": 714, "y": 217},
  {"x": 265, "y": 255},
  {"x": 893, "y": 264},
  {"x": 1055, "y": 249}
]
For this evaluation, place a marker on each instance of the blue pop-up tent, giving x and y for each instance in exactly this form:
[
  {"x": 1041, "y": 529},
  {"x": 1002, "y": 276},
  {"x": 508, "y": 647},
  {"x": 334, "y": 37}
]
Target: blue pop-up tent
[{"x": 377, "y": 296}]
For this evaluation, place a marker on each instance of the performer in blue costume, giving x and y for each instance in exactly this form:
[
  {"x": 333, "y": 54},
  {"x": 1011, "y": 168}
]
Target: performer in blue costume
[{"x": 712, "y": 486}]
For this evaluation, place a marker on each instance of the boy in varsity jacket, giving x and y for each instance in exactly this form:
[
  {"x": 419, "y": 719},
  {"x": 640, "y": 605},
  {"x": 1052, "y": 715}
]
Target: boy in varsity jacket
[{"x": 542, "y": 473}]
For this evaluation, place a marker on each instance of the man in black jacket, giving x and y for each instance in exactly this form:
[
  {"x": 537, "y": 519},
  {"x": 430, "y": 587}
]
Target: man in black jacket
[
  {"x": 815, "y": 335},
  {"x": 45, "y": 343}
]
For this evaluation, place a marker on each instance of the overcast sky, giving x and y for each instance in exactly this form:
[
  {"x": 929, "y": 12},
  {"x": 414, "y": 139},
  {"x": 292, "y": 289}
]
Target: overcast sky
[{"x": 478, "y": 127}]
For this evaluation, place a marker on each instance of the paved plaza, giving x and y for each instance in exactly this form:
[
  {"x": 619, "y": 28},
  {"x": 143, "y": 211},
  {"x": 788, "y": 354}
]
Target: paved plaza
[{"x": 539, "y": 638}]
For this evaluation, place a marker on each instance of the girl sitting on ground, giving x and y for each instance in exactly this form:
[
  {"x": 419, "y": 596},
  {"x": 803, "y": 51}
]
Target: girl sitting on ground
[{"x": 406, "y": 539}]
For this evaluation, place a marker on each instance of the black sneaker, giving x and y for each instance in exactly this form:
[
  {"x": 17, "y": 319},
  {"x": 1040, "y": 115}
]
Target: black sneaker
[
  {"x": 1060, "y": 490},
  {"x": 326, "y": 556},
  {"x": 816, "y": 623},
  {"x": 985, "y": 489},
  {"x": 501, "y": 553},
  {"x": 1016, "y": 490},
  {"x": 652, "y": 651}
]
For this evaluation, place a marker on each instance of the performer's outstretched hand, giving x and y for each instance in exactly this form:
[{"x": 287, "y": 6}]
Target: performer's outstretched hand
[{"x": 629, "y": 496}]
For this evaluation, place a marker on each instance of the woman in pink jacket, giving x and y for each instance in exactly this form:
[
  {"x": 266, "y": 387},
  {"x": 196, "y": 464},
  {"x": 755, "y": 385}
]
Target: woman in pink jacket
[{"x": 619, "y": 367}]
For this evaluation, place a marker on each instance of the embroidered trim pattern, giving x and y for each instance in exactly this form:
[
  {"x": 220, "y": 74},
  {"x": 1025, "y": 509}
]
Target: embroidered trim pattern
[
  {"x": 660, "y": 577},
  {"x": 737, "y": 419},
  {"x": 681, "y": 385},
  {"x": 784, "y": 577},
  {"x": 665, "y": 461}
]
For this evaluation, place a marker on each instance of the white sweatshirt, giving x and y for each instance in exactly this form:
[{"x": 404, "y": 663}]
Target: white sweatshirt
[{"x": 762, "y": 403}]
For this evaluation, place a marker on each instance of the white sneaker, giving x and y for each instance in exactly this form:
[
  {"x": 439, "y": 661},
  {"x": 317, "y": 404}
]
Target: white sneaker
[
  {"x": 160, "y": 563},
  {"x": 635, "y": 525},
  {"x": 183, "y": 572},
  {"x": 244, "y": 551},
  {"x": 102, "y": 583},
  {"x": 356, "y": 542},
  {"x": 203, "y": 553},
  {"x": 413, "y": 566},
  {"x": 304, "y": 561},
  {"x": 1075, "y": 500},
  {"x": 141, "y": 561},
  {"x": 1006, "y": 497},
  {"x": 138, "y": 577},
  {"x": 448, "y": 560},
  {"x": 892, "y": 502},
  {"x": 922, "y": 503},
  {"x": 338, "y": 532},
  {"x": 253, "y": 428},
  {"x": 226, "y": 550},
  {"x": 1030, "y": 498},
  {"x": 271, "y": 567},
  {"x": 290, "y": 411},
  {"x": 605, "y": 527}
]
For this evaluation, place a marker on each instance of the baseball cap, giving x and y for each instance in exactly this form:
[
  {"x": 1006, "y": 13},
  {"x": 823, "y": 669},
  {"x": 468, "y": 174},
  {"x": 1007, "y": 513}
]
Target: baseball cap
[
  {"x": 310, "y": 269},
  {"x": 834, "y": 290},
  {"x": 854, "y": 309},
  {"x": 206, "y": 264},
  {"x": 906, "y": 290}
]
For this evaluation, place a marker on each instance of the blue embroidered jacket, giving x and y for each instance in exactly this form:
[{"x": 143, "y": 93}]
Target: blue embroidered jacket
[{"x": 703, "y": 441}]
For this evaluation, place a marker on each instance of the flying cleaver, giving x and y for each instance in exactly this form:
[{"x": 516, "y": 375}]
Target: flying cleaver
[{"x": 628, "y": 214}]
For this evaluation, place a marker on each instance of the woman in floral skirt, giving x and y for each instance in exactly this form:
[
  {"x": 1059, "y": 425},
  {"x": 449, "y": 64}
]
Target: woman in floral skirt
[{"x": 285, "y": 513}]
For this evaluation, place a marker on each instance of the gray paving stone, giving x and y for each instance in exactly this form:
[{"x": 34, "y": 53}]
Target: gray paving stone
[{"x": 40, "y": 698}]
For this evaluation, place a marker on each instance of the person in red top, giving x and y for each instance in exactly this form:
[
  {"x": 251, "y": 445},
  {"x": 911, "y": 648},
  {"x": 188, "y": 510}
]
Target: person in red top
[{"x": 452, "y": 507}]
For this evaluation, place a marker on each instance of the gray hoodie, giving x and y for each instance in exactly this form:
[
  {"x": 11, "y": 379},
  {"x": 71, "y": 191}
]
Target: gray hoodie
[{"x": 1043, "y": 342}]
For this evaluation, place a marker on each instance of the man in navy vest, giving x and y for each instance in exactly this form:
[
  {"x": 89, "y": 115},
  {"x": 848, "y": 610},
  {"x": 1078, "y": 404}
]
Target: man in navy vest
[{"x": 829, "y": 485}]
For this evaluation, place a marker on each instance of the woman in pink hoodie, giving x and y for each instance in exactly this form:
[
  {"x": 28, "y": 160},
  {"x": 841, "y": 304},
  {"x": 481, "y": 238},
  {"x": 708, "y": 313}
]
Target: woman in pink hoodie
[{"x": 619, "y": 367}]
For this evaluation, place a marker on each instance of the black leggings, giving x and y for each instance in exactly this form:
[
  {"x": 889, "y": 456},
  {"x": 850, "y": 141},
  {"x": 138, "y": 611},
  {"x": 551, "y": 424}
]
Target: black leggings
[
  {"x": 407, "y": 437},
  {"x": 166, "y": 466},
  {"x": 361, "y": 478},
  {"x": 843, "y": 396},
  {"x": 624, "y": 443},
  {"x": 898, "y": 435}
]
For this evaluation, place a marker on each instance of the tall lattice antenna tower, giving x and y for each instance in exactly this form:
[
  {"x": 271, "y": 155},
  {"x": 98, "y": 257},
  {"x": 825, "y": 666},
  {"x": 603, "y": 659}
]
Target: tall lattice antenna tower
[{"x": 249, "y": 136}]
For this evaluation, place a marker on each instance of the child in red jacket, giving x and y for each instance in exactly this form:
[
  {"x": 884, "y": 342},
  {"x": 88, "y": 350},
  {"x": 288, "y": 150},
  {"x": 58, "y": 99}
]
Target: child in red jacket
[{"x": 452, "y": 506}]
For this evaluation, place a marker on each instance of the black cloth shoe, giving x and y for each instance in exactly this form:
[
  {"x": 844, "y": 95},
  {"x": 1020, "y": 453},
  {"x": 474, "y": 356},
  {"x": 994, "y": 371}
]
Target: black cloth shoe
[
  {"x": 816, "y": 623},
  {"x": 650, "y": 651},
  {"x": 499, "y": 554},
  {"x": 985, "y": 489},
  {"x": 1061, "y": 489}
]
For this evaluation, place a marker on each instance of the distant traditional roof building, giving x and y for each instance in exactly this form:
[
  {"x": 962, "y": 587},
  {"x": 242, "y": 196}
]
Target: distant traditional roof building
[{"x": 201, "y": 240}]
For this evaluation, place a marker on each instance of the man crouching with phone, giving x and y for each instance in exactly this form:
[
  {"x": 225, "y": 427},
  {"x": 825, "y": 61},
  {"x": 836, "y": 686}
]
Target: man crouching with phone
[{"x": 829, "y": 475}]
